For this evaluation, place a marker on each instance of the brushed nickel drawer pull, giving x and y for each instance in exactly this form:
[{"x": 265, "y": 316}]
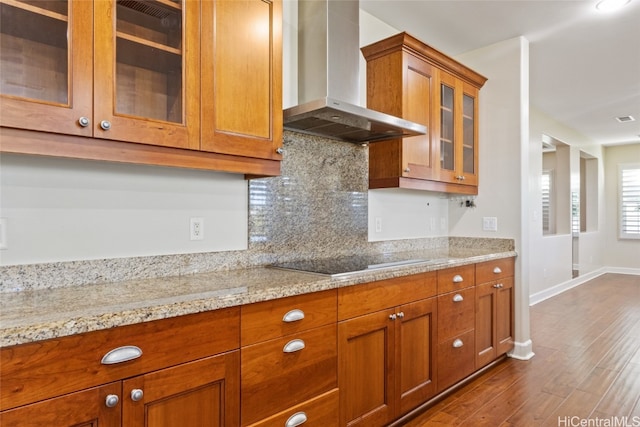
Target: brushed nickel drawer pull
[
  {"x": 457, "y": 279},
  {"x": 458, "y": 343},
  {"x": 121, "y": 354},
  {"x": 497, "y": 270},
  {"x": 293, "y": 316},
  {"x": 457, "y": 298},
  {"x": 293, "y": 346},
  {"x": 296, "y": 419}
]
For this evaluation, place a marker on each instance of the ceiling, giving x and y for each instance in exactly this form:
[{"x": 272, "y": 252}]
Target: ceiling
[{"x": 584, "y": 64}]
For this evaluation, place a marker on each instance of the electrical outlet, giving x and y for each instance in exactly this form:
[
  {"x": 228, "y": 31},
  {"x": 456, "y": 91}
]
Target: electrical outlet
[
  {"x": 489, "y": 223},
  {"x": 196, "y": 228},
  {"x": 378, "y": 225}
]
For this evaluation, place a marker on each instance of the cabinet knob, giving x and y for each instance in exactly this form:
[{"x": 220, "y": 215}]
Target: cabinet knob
[
  {"x": 401, "y": 315},
  {"x": 111, "y": 400},
  {"x": 296, "y": 419},
  {"x": 293, "y": 346},
  {"x": 458, "y": 343},
  {"x": 458, "y": 279},
  {"x": 121, "y": 354},
  {"x": 293, "y": 316},
  {"x": 393, "y": 316},
  {"x": 83, "y": 121},
  {"x": 458, "y": 298},
  {"x": 280, "y": 150},
  {"x": 137, "y": 394},
  {"x": 497, "y": 270},
  {"x": 105, "y": 125},
  {"x": 407, "y": 170}
]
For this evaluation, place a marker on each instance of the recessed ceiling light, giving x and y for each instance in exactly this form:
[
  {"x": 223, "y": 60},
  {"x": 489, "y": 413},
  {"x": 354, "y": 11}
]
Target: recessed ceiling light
[
  {"x": 610, "y": 5},
  {"x": 624, "y": 119}
]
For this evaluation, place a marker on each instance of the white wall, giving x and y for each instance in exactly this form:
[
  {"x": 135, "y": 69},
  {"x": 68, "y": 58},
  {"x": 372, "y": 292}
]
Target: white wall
[
  {"x": 550, "y": 257},
  {"x": 65, "y": 209},
  {"x": 620, "y": 253}
]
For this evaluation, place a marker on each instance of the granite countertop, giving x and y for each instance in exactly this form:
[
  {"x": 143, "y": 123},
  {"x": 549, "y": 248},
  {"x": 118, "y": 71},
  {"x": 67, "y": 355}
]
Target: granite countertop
[{"x": 28, "y": 316}]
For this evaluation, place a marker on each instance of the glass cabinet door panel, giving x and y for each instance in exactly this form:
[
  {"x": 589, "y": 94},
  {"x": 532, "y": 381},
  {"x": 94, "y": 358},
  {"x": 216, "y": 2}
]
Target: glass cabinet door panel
[
  {"x": 468, "y": 134},
  {"x": 34, "y": 55},
  {"x": 447, "y": 137},
  {"x": 45, "y": 65},
  {"x": 149, "y": 77}
]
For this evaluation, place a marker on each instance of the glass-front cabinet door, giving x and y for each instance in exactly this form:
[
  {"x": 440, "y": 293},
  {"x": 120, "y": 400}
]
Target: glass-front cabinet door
[
  {"x": 46, "y": 79},
  {"x": 469, "y": 150},
  {"x": 458, "y": 131},
  {"x": 448, "y": 128},
  {"x": 146, "y": 62}
]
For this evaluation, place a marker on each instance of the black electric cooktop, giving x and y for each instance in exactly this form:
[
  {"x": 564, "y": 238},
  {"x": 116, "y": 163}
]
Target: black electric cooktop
[{"x": 348, "y": 265}]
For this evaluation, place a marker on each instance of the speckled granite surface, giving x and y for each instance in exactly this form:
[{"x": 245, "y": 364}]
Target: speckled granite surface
[
  {"x": 316, "y": 209},
  {"x": 29, "y": 316}
]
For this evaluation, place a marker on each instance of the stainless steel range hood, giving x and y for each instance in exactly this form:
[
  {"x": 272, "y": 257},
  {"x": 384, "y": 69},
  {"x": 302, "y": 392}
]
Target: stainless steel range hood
[{"x": 328, "y": 72}]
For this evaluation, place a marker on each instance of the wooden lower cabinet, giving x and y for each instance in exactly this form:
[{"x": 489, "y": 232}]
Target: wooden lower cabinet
[
  {"x": 386, "y": 363},
  {"x": 494, "y": 320},
  {"x": 494, "y": 310},
  {"x": 204, "y": 392},
  {"x": 84, "y": 408}
]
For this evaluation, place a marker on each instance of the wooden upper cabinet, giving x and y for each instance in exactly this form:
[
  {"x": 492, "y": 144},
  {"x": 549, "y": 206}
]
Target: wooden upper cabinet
[
  {"x": 147, "y": 72},
  {"x": 403, "y": 85},
  {"x": 191, "y": 83},
  {"x": 46, "y": 70},
  {"x": 410, "y": 79},
  {"x": 242, "y": 77}
]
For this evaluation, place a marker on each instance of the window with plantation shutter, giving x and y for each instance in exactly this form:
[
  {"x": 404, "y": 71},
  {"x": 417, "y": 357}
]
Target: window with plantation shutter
[
  {"x": 548, "y": 213},
  {"x": 629, "y": 198}
]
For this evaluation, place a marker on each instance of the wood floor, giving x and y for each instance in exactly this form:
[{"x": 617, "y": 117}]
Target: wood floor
[{"x": 586, "y": 367}]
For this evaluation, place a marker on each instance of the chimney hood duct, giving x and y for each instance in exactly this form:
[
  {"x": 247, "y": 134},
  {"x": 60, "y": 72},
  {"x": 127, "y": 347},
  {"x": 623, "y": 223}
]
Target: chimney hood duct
[{"x": 328, "y": 73}]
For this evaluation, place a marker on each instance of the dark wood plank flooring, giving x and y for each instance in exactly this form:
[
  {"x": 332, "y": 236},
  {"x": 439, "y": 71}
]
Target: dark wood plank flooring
[{"x": 587, "y": 365}]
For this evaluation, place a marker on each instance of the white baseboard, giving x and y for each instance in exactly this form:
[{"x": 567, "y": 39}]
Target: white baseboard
[
  {"x": 565, "y": 286},
  {"x": 522, "y": 350}
]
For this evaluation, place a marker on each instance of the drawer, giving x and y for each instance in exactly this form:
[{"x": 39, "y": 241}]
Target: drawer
[
  {"x": 456, "y": 313},
  {"x": 284, "y": 316},
  {"x": 494, "y": 270},
  {"x": 367, "y": 298},
  {"x": 321, "y": 411},
  {"x": 273, "y": 380},
  {"x": 453, "y": 279},
  {"x": 44, "y": 369},
  {"x": 455, "y": 359}
]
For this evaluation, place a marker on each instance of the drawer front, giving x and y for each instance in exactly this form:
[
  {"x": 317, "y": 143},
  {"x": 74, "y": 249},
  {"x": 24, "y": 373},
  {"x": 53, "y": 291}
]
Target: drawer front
[
  {"x": 321, "y": 411},
  {"x": 453, "y": 279},
  {"x": 494, "y": 270},
  {"x": 273, "y": 380},
  {"x": 455, "y": 361},
  {"x": 40, "y": 370},
  {"x": 367, "y": 298},
  {"x": 274, "y": 319},
  {"x": 456, "y": 313}
]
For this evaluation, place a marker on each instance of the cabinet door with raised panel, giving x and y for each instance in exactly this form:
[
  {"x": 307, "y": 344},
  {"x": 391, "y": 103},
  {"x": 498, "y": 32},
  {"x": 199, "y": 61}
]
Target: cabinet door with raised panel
[
  {"x": 204, "y": 392},
  {"x": 504, "y": 316},
  {"x": 146, "y": 69},
  {"x": 242, "y": 77},
  {"x": 485, "y": 324},
  {"x": 366, "y": 357},
  {"x": 94, "y": 407},
  {"x": 416, "y": 353},
  {"x": 46, "y": 78}
]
